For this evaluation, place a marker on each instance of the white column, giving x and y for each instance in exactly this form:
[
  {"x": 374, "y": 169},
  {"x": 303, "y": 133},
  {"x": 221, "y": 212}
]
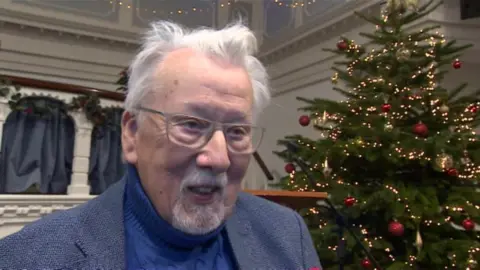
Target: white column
[
  {"x": 4, "y": 112},
  {"x": 83, "y": 132}
]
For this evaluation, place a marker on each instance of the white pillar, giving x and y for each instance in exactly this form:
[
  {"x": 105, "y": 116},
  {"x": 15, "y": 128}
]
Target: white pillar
[
  {"x": 4, "y": 112},
  {"x": 81, "y": 155}
]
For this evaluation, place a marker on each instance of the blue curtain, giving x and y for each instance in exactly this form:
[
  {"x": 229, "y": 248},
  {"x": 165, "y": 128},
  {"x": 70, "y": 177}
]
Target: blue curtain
[
  {"x": 37, "y": 148},
  {"x": 106, "y": 165}
]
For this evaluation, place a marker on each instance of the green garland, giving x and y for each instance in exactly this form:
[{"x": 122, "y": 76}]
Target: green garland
[
  {"x": 88, "y": 103},
  {"x": 123, "y": 81}
]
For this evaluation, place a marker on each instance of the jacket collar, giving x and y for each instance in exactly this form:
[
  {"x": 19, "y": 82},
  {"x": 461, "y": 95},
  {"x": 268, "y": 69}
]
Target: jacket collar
[{"x": 101, "y": 235}]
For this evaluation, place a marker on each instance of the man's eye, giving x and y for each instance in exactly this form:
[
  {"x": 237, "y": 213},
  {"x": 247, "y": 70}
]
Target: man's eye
[
  {"x": 193, "y": 125},
  {"x": 237, "y": 131}
]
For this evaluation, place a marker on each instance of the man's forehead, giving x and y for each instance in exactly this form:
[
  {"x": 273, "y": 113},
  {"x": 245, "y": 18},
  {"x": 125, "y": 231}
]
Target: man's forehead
[{"x": 210, "y": 109}]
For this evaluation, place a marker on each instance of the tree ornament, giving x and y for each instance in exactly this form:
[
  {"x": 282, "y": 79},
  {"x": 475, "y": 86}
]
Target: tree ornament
[
  {"x": 327, "y": 171},
  {"x": 452, "y": 172},
  {"x": 396, "y": 228},
  {"x": 472, "y": 263},
  {"x": 388, "y": 127},
  {"x": 335, "y": 78},
  {"x": 444, "y": 108},
  {"x": 321, "y": 120},
  {"x": 289, "y": 168},
  {"x": 465, "y": 159},
  {"x": 349, "y": 201},
  {"x": 457, "y": 64},
  {"x": 468, "y": 224},
  {"x": 418, "y": 240},
  {"x": 444, "y": 161},
  {"x": 304, "y": 120},
  {"x": 386, "y": 107},
  {"x": 342, "y": 45},
  {"x": 473, "y": 108},
  {"x": 420, "y": 129},
  {"x": 366, "y": 264},
  {"x": 403, "y": 55}
]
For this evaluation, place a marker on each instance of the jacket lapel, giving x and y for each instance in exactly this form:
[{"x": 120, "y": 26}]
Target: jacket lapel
[
  {"x": 239, "y": 233},
  {"x": 101, "y": 236}
]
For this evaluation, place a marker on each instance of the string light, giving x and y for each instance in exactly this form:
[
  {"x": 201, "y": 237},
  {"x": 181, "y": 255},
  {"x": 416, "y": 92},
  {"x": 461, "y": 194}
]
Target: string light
[
  {"x": 221, "y": 4},
  {"x": 422, "y": 96}
]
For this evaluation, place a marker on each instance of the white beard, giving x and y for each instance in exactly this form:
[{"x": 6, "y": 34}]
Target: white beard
[{"x": 200, "y": 219}]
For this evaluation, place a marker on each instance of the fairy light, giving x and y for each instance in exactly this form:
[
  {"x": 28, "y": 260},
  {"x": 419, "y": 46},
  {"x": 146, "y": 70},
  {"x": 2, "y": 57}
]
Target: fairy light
[
  {"x": 414, "y": 95},
  {"x": 221, "y": 4}
]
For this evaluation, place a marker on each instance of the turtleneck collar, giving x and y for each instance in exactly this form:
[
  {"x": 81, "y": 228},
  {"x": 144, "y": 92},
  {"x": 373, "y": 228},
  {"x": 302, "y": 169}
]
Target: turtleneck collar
[{"x": 144, "y": 216}]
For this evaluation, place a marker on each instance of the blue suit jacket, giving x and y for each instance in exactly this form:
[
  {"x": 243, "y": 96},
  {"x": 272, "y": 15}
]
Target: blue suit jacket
[{"x": 264, "y": 235}]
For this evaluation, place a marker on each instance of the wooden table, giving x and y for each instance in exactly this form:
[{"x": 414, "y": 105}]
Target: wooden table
[{"x": 294, "y": 199}]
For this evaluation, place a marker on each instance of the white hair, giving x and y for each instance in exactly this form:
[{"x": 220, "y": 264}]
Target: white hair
[{"x": 235, "y": 43}]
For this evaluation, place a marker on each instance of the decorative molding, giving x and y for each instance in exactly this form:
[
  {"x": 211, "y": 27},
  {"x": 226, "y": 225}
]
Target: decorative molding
[
  {"x": 333, "y": 23},
  {"x": 23, "y": 209},
  {"x": 97, "y": 11},
  {"x": 70, "y": 28}
]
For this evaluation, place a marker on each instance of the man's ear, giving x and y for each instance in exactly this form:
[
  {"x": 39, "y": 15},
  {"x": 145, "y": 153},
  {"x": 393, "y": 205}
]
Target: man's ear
[{"x": 129, "y": 137}]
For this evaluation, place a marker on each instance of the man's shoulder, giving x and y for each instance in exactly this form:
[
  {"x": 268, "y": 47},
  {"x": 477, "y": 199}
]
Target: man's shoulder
[
  {"x": 262, "y": 209},
  {"x": 43, "y": 241}
]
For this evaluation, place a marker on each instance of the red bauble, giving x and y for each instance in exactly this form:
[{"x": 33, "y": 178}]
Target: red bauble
[
  {"x": 473, "y": 108},
  {"x": 342, "y": 45},
  {"x": 304, "y": 120},
  {"x": 289, "y": 168},
  {"x": 457, "y": 64},
  {"x": 386, "y": 107},
  {"x": 396, "y": 228},
  {"x": 366, "y": 264},
  {"x": 452, "y": 172},
  {"x": 468, "y": 224},
  {"x": 349, "y": 201},
  {"x": 420, "y": 129}
]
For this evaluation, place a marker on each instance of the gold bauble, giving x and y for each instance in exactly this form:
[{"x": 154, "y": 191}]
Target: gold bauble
[
  {"x": 444, "y": 108},
  {"x": 359, "y": 140},
  {"x": 403, "y": 55},
  {"x": 444, "y": 161},
  {"x": 335, "y": 78},
  {"x": 388, "y": 127}
]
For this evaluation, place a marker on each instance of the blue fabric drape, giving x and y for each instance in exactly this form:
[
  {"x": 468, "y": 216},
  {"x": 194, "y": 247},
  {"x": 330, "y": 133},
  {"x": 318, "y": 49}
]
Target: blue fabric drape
[
  {"x": 106, "y": 165},
  {"x": 37, "y": 150}
]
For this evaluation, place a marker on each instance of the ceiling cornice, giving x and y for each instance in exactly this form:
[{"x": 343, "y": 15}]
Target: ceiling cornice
[
  {"x": 332, "y": 24},
  {"x": 44, "y": 23}
]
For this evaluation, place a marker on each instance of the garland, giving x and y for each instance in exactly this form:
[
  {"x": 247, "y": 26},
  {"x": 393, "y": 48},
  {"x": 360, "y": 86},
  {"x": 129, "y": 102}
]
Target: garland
[
  {"x": 123, "y": 81},
  {"x": 88, "y": 103}
]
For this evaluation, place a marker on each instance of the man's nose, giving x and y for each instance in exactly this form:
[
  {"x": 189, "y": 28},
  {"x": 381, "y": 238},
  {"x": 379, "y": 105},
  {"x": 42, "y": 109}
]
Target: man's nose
[{"x": 214, "y": 154}]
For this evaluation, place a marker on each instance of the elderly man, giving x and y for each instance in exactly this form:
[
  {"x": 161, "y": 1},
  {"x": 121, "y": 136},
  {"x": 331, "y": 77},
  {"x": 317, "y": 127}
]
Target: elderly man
[{"x": 187, "y": 135}]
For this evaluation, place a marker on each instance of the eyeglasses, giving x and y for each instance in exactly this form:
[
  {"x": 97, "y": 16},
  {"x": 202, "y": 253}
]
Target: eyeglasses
[{"x": 195, "y": 133}]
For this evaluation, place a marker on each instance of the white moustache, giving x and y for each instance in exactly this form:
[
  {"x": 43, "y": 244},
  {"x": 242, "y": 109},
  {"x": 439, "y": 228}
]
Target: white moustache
[{"x": 204, "y": 178}]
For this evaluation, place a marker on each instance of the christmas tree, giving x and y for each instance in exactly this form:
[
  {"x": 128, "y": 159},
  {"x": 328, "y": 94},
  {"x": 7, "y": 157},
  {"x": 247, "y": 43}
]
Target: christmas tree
[{"x": 399, "y": 156}]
